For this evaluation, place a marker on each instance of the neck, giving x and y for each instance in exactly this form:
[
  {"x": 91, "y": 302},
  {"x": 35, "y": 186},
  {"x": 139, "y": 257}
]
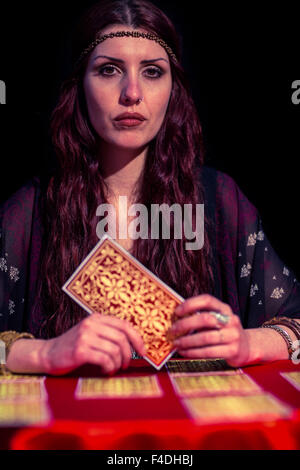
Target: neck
[{"x": 122, "y": 169}]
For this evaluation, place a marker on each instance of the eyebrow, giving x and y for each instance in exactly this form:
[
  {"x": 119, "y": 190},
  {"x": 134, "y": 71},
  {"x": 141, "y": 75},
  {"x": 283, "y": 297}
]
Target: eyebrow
[{"x": 123, "y": 61}]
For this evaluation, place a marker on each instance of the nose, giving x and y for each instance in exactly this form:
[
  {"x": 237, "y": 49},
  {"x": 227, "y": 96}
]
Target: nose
[{"x": 131, "y": 92}]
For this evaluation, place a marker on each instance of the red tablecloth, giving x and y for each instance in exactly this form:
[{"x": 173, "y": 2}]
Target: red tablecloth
[{"x": 154, "y": 423}]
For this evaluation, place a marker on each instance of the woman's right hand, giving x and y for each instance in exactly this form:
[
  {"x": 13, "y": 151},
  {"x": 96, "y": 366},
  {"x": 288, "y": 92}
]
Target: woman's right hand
[{"x": 98, "y": 339}]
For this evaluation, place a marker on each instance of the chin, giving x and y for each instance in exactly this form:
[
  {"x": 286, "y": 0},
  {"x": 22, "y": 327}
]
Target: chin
[{"x": 132, "y": 143}]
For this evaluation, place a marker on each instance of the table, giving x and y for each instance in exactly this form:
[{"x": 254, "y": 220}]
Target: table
[{"x": 154, "y": 423}]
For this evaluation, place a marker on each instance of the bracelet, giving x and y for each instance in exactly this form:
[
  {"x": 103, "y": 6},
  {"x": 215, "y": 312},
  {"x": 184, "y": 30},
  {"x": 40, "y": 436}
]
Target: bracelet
[
  {"x": 284, "y": 335},
  {"x": 8, "y": 338},
  {"x": 289, "y": 322}
]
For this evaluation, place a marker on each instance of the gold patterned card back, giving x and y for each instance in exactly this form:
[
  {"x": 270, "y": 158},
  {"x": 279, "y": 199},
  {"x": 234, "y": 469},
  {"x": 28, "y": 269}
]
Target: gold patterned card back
[
  {"x": 118, "y": 387},
  {"x": 230, "y": 409},
  {"x": 110, "y": 281},
  {"x": 293, "y": 378}
]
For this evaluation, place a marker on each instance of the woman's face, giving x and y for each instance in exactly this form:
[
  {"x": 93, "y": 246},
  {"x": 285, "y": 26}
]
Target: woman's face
[{"x": 120, "y": 72}]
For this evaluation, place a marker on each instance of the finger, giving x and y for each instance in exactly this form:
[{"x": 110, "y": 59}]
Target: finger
[
  {"x": 112, "y": 349},
  {"x": 124, "y": 326},
  {"x": 194, "y": 322},
  {"x": 206, "y": 338},
  {"x": 119, "y": 343},
  {"x": 88, "y": 355},
  {"x": 210, "y": 352},
  {"x": 201, "y": 302},
  {"x": 102, "y": 359}
]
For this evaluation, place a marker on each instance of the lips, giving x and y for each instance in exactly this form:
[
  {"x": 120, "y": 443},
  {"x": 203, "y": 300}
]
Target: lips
[
  {"x": 130, "y": 116},
  {"x": 126, "y": 120}
]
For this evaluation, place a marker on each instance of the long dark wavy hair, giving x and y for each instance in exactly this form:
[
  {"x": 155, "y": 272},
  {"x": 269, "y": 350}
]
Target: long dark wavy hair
[{"x": 171, "y": 175}]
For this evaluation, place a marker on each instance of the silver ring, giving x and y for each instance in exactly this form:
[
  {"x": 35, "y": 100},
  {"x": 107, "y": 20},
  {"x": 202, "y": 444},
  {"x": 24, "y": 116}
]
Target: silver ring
[{"x": 221, "y": 317}]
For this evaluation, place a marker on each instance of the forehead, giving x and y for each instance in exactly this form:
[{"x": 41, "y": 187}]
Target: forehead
[{"x": 129, "y": 48}]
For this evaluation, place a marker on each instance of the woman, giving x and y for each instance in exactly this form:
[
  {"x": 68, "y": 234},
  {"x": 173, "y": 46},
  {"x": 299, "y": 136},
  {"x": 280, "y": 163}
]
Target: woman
[{"x": 125, "y": 125}]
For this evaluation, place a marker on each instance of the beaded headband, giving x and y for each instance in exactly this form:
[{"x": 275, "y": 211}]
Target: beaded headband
[{"x": 134, "y": 34}]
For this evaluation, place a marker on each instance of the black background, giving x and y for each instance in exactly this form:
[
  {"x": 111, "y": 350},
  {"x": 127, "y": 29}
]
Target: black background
[{"x": 235, "y": 57}]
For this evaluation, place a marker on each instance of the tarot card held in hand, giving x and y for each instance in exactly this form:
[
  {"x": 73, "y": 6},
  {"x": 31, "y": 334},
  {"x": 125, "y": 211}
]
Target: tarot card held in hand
[{"x": 111, "y": 281}]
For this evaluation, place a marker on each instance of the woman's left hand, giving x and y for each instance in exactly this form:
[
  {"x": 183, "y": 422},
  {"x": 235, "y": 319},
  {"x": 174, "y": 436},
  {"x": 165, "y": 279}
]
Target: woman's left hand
[{"x": 210, "y": 338}]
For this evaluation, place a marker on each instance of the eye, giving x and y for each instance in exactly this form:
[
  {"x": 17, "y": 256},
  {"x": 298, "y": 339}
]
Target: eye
[
  {"x": 107, "y": 70},
  {"x": 153, "y": 72}
]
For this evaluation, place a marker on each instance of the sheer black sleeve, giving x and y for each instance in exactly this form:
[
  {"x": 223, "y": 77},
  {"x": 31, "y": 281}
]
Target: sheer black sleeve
[
  {"x": 19, "y": 255},
  {"x": 254, "y": 280}
]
